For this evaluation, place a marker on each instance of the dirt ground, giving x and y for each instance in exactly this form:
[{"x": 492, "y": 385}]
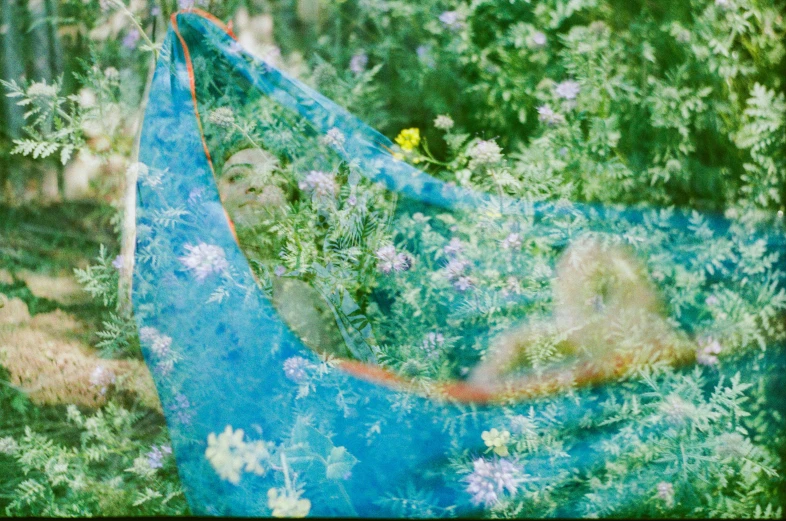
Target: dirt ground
[{"x": 48, "y": 324}]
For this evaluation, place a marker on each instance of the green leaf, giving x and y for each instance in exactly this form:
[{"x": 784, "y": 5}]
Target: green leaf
[{"x": 339, "y": 463}]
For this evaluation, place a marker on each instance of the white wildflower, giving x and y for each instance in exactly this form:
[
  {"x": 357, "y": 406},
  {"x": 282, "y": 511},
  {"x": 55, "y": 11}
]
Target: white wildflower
[
  {"x": 8, "y": 445},
  {"x": 443, "y": 122},
  {"x": 226, "y": 453},
  {"x": 204, "y": 259},
  {"x": 548, "y": 116},
  {"x": 484, "y": 153},
  {"x": 320, "y": 184},
  {"x": 222, "y": 117},
  {"x": 334, "y": 138},
  {"x": 102, "y": 378},
  {"x": 286, "y": 503},
  {"x": 707, "y": 351},
  {"x": 511, "y": 242},
  {"x": 568, "y": 89},
  {"x": 41, "y": 89}
]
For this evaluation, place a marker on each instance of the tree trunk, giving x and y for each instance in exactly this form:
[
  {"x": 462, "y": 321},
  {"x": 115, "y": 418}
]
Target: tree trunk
[{"x": 13, "y": 68}]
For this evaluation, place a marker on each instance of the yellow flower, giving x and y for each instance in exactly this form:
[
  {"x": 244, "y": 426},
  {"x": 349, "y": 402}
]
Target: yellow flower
[
  {"x": 497, "y": 440},
  {"x": 408, "y": 139}
]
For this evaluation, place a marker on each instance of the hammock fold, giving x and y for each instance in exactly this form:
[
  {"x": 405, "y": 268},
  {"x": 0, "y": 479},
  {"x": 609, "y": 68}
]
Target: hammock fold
[{"x": 224, "y": 358}]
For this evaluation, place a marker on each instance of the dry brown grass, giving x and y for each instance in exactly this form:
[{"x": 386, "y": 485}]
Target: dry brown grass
[{"x": 45, "y": 359}]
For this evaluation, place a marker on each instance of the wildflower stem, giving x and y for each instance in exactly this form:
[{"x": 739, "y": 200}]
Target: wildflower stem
[
  {"x": 247, "y": 136},
  {"x": 139, "y": 28}
]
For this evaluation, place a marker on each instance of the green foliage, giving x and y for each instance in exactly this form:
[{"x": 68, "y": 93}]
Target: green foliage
[
  {"x": 110, "y": 471},
  {"x": 668, "y": 103}
]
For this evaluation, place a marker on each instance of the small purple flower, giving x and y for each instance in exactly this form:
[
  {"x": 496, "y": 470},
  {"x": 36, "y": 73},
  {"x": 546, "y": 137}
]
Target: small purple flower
[
  {"x": 462, "y": 283},
  {"x": 425, "y": 56},
  {"x": 568, "y": 89},
  {"x": 182, "y": 409},
  {"x": 548, "y": 116},
  {"x": 164, "y": 368},
  {"x": 320, "y": 184},
  {"x": 456, "y": 268},
  {"x": 155, "y": 458},
  {"x": 235, "y": 47},
  {"x": 511, "y": 242},
  {"x": 389, "y": 260},
  {"x": 280, "y": 271},
  {"x": 452, "y": 20},
  {"x": 454, "y": 247},
  {"x": 490, "y": 479},
  {"x": 358, "y": 62},
  {"x": 155, "y": 11},
  {"x": 296, "y": 367},
  {"x": 195, "y": 195},
  {"x": 431, "y": 343},
  {"x": 118, "y": 263},
  {"x": 131, "y": 39},
  {"x": 705, "y": 355},
  {"x": 352, "y": 200},
  {"x": 712, "y": 300},
  {"x": 538, "y": 39},
  {"x": 665, "y": 490}
]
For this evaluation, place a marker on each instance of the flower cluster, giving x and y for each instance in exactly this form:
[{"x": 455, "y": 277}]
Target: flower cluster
[
  {"x": 161, "y": 348},
  {"x": 454, "y": 247},
  {"x": 155, "y": 458},
  {"x": 443, "y": 122},
  {"x": 490, "y": 479},
  {"x": 666, "y": 492},
  {"x": 204, "y": 259},
  {"x": 287, "y": 503},
  {"x": 229, "y": 454},
  {"x": 707, "y": 353},
  {"x": 222, "y": 117},
  {"x": 484, "y": 153},
  {"x": 358, "y": 62},
  {"x": 408, "y": 139},
  {"x": 320, "y": 184},
  {"x": 388, "y": 259},
  {"x": 452, "y": 20},
  {"x": 567, "y": 90},
  {"x": 334, "y": 138},
  {"x": 8, "y": 445},
  {"x": 547, "y": 115},
  {"x": 296, "y": 368},
  {"x": 432, "y": 343},
  {"x": 181, "y": 409},
  {"x": 455, "y": 272},
  {"x": 511, "y": 242}
]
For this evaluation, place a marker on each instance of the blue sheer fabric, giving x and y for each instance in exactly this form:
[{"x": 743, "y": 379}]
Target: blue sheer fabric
[{"x": 223, "y": 359}]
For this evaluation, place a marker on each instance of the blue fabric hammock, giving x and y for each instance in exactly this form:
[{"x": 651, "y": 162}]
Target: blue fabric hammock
[{"x": 260, "y": 424}]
